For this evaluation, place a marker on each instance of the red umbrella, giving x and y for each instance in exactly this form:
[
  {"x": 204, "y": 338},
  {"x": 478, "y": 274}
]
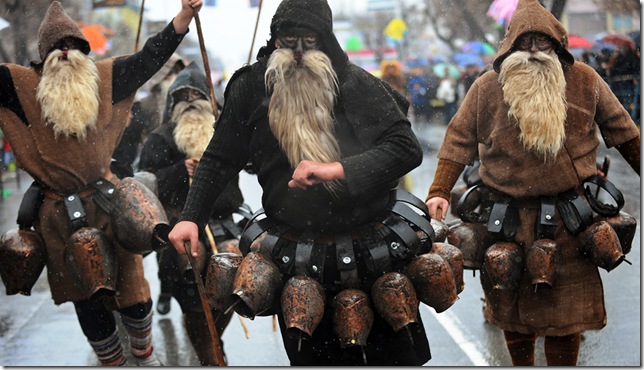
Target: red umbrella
[
  {"x": 618, "y": 40},
  {"x": 578, "y": 42}
]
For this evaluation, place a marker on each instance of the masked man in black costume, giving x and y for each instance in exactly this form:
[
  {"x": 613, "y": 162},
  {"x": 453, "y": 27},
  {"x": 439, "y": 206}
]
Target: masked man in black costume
[{"x": 328, "y": 142}]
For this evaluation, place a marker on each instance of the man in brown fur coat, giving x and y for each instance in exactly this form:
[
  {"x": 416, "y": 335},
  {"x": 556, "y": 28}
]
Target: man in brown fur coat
[
  {"x": 63, "y": 117},
  {"x": 536, "y": 116}
]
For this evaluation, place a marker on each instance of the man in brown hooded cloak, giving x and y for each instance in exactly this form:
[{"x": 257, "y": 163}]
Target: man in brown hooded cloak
[
  {"x": 533, "y": 122},
  {"x": 63, "y": 117}
]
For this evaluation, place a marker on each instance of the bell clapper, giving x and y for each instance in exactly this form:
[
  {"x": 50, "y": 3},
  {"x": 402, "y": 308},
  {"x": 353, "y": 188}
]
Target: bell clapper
[
  {"x": 299, "y": 342},
  {"x": 411, "y": 339},
  {"x": 627, "y": 261},
  {"x": 231, "y": 307},
  {"x": 364, "y": 355}
]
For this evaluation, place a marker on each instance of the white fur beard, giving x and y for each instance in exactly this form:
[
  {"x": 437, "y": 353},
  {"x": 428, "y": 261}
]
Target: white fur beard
[
  {"x": 194, "y": 128},
  {"x": 68, "y": 93},
  {"x": 300, "y": 111},
  {"x": 535, "y": 91}
]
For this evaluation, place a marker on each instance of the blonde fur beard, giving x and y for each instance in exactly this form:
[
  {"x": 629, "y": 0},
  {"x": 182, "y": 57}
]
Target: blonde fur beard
[
  {"x": 300, "y": 112},
  {"x": 68, "y": 93},
  {"x": 535, "y": 90},
  {"x": 194, "y": 128}
]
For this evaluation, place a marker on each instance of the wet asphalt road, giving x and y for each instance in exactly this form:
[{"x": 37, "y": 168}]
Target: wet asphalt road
[{"x": 35, "y": 332}]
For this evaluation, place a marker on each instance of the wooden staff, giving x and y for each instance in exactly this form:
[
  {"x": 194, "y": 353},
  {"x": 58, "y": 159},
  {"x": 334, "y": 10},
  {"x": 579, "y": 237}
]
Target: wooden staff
[
  {"x": 219, "y": 353},
  {"x": 206, "y": 65},
  {"x": 252, "y": 44},
  {"x": 138, "y": 32}
]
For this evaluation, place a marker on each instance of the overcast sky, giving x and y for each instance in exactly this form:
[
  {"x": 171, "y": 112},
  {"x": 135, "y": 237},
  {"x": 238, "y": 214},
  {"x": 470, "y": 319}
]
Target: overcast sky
[{"x": 228, "y": 27}]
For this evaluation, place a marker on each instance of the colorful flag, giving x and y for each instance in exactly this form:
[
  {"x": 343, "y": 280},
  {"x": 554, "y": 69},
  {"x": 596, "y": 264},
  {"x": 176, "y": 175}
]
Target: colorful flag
[{"x": 254, "y": 3}]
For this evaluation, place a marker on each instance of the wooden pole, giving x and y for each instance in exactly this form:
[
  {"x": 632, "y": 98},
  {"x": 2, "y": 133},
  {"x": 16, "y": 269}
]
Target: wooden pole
[
  {"x": 252, "y": 44},
  {"x": 206, "y": 65},
  {"x": 219, "y": 354},
  {"x": 138, "y": 32}
]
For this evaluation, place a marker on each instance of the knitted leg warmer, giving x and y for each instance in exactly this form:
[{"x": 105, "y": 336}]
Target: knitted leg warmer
[
  {"x": 521, "y": 347},
  {"x": 140, "y": 331},
  {"x": 109, "y": 350},
  {"x": 562, "y": 351}
]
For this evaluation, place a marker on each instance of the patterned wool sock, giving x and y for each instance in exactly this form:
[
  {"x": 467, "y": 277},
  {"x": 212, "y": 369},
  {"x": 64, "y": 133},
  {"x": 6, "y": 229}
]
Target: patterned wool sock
[
  {"x": 521, "y": 347},
  {"x": 140, "y": 331},
  {"x": 562, "y": 351},
  {"x": 110, "y": 350}
]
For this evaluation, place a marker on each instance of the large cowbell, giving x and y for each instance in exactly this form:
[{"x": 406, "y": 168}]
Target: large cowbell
[
  {"x": 91, "y": 260},
  {"x": 138, "y": 218},
  {"x": 22, "y": 258}
]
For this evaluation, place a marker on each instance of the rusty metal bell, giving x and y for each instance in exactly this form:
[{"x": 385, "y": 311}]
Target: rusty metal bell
[
  {"x": 218, "y": 286},
  {"x": 504, "y": 262},
  {"x": 257, "y": 284},
  {"x": 471, "y": 239},
  {"x": 139, "y": 220},
  {"x": 23, "y": 256},
  {"x": 352, "y": 317},
  {"x": 91, "y": 259},
  {"x": 541, "y": 262},
  {"x": 625, "y": 227},
  {"x": 149, "y": 180},
  {"x": 454, "y": 257},
  {"x": 440, "y": 230},
  {"x": 394, "y": 298},
  {"x": 433, "y": 280},
  {"x": 303, "y": 301},
  {"x": 602, "y": 245}
]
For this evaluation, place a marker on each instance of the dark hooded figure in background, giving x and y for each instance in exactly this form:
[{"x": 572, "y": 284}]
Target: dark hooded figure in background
[
  {"x": 172, "y": 153},
  {"x": 329, "y": 143},
  {"x": 63, "y": 118},
  {"x": 533, "y": 121}
]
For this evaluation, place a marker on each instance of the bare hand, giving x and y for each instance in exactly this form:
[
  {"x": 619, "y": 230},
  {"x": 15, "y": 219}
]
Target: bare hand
[
  {"x": 437, "y": 208},
  {"x": 191, "y": 166},
  {"x": 182, "y": 232},
  {"x": 310, "y": 173},
  {"x": 188, "y": 10}
]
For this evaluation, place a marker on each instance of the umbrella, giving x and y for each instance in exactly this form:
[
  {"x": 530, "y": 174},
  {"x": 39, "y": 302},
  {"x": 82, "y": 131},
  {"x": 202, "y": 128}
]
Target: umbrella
[
  {"x": 465, "y": 59},
  {"x": 618, "y": 40},
  {"x": 578, "y": 42},
  {"x": 353, "y": 43},
  {"x": 439, "y": 70},
  {"x": 502, "y": 10},
  {"x": 478, "y": 47}
]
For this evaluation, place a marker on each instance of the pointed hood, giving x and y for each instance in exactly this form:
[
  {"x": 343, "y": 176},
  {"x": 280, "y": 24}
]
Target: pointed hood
[
  {"x": 312, "y": 14},
  {"x": 531, "y": 16},
  {"x": 55, "y": 26},
  {"x": 190, "y": 77}
]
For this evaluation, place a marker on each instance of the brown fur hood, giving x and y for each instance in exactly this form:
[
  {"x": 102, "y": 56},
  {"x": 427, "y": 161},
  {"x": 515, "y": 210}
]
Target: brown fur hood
[{"x": 531, "y": 16}]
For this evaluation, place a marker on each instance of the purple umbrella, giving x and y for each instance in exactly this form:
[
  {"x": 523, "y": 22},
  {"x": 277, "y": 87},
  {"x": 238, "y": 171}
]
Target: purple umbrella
[{"x": 502, "y": 10}]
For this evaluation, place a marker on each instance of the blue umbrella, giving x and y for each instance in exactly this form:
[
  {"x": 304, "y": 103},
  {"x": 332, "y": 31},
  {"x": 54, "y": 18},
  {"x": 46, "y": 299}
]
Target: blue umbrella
[
  {"x": 439, "y": 70},
  {"x": 465, "y": 59}
]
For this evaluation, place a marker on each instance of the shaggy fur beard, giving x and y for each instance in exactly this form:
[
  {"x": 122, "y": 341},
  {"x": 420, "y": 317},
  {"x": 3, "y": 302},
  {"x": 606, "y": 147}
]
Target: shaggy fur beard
[
  {"x": 534, "y": 87},
  {"x": 194, "y": 127},
  {"x": 300, "y": 112},
  {"x": 68, "y": 93}
]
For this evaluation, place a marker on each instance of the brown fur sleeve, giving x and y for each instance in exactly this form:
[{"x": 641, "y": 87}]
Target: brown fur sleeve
[
  {"x": 447, "y": 173},
  {"x": 630, "y": 150}
]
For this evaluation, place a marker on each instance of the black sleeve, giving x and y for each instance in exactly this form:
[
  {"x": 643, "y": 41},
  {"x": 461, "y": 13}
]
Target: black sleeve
[
  {"x": 131, "y": 72},
  {"x": 156, "y": 157},
  {"x": 8, "y": 95}
]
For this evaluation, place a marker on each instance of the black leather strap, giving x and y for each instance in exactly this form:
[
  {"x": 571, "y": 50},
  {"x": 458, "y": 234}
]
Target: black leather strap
[
  {"x": 421, "y": 222},
  {"x": 377, "y": 256},
  {"x": 303, "y": 254},
  {"x": 407, "y": 197},
  {"x": 547, "y": 223},
  {"x": 404, "y": 233},
  {"x": 29, "y": 206},
  {"x": 103, "y": 196},
  {"x": 606, "y": 210},
  {"x": 75, "y": 211},
  {"x": 346, "y": 261}
]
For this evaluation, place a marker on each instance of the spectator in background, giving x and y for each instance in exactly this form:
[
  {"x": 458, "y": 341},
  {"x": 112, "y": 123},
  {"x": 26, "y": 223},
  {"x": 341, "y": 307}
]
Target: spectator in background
[
  {"x": 447, "y": 93},
  {"x": 624, "y": 73},
  {"x": 418, "y": 95},
  {"x": 391, "y": 72}
]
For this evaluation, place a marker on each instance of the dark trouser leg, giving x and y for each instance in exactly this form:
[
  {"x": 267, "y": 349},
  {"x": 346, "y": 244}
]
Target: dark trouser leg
[
  {"x": 199, "y": 334},
  {"x": 562, "y": 351},
  {"x": 521, "y": 347},
  {"x": 165, "y": 260},
  {"x": 100, "y": 328}
]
